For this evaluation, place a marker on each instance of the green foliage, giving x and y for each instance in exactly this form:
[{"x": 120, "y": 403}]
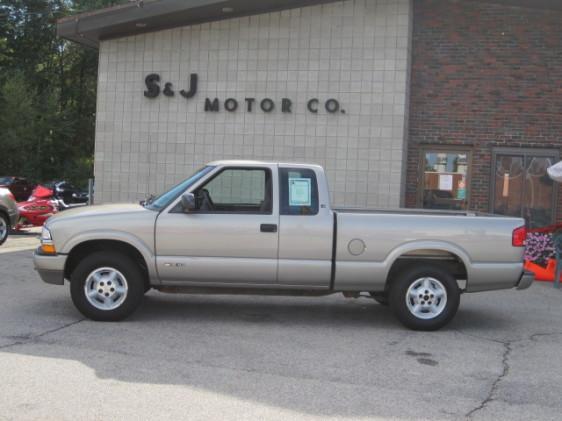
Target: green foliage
[{"x": 47, "y": 92}]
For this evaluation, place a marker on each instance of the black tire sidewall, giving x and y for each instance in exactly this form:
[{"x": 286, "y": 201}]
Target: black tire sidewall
[
  {"x": 124, "y": 264},
  {"x": 7, "y": 221},
  {"x": 402, "y": 283}
]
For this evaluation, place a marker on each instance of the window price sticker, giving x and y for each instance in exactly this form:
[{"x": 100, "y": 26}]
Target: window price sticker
[{"x": 300, "y": 192}]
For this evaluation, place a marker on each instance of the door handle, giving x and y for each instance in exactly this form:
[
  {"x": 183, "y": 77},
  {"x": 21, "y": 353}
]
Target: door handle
[{"x": 268, "y": 227}]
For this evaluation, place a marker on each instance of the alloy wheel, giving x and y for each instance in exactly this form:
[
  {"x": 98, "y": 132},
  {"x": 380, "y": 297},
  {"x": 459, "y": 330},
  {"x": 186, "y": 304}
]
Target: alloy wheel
[
  {"x": 426, "y": 298},
  {"x": 106, "y": 288}
]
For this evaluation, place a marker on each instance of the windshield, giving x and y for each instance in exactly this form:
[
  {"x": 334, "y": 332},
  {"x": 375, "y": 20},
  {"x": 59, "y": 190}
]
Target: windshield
[{"x": 165, "y": 199}]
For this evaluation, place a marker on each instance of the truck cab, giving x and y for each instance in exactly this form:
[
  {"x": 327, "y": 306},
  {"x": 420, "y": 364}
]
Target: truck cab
[{"x": 250, "y": 224}]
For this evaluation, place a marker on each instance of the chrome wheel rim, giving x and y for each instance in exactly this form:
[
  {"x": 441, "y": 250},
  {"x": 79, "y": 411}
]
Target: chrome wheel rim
[
  {"x": 3, "y": 229},
  {"x": 426, "y": 298},
  {"x": 106, "y": 288}
]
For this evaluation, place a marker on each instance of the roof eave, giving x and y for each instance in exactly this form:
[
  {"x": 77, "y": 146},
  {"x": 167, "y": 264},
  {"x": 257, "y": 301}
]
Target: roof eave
[{"x": 154, "y": 15}]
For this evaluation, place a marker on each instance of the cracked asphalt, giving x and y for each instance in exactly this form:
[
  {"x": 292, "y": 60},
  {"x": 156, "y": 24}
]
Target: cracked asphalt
[{"x": 223, "y": 357}]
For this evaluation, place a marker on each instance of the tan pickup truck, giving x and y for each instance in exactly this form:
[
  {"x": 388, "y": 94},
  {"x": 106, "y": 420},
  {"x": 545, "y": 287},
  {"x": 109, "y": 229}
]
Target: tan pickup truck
[{"x": 242, "y": 227}]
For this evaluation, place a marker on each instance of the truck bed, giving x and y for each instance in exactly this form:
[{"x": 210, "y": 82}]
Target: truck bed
[
  {"x": 412, "y": 211},
  {"x": 369, "y": 240}
]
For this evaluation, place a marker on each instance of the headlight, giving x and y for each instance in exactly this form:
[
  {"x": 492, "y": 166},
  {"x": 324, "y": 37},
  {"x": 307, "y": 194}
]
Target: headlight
[
  {"x": 46, "y": 235},
  {"x": 47, "y": 246}
]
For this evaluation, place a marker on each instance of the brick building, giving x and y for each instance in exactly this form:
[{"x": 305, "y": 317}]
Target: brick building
[
  {"x": 486, "y": 88},
  {"x": 447, "y": 104}
]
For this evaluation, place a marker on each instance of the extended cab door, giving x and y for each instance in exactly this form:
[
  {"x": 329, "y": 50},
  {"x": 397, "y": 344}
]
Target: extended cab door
[
  {"x": 232, "y": 236},
  {"x": 306, "y": 227}
]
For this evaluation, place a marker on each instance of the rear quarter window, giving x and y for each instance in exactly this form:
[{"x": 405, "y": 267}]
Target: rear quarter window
[{"x": 299, "y": 191}]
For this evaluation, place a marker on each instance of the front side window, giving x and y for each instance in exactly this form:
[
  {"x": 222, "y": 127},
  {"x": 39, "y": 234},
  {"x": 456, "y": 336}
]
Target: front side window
[
  {"x": 237, "y": 190},
  {"x": 445, "y": 180},
  {"x": 299, "y": 191}
]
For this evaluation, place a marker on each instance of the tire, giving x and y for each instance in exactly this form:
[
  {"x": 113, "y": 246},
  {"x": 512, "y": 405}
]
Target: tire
[
  {"x": 115, "y": 283},
  {"x": 432, "y": 289},
  {"x": 380, "y": 297},
  {"x": 4, "y": 228}
]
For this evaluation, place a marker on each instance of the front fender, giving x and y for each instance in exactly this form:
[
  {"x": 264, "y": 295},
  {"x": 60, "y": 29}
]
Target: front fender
[{"x": 112, "y": 235}]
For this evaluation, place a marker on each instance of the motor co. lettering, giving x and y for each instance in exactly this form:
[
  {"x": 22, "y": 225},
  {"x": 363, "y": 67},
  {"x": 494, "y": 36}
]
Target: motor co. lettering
[{"x": 266, "y": 105}]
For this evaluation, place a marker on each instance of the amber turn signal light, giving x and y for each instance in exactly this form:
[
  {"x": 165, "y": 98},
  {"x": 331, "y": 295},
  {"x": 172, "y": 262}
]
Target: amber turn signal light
[{"x": 48, "y": 249}]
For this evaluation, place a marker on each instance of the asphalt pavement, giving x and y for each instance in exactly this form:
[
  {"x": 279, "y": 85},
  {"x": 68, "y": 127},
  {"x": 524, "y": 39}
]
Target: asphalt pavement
[{"x": 272, "y": 358}]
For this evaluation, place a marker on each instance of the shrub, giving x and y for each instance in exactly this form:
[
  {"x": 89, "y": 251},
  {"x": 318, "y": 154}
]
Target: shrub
[{"x": 539, "y": 248}]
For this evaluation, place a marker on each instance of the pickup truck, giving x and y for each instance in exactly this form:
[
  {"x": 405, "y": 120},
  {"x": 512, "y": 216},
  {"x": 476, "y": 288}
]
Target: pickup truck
[{"x": 245, "y": 227}]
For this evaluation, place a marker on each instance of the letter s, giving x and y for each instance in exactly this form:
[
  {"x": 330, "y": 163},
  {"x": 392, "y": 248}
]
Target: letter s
[{"x": 153, "y": 89}]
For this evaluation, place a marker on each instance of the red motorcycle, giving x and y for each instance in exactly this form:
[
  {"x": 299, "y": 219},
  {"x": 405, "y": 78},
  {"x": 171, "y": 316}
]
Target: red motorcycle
[{"x": 37, "y": 209}]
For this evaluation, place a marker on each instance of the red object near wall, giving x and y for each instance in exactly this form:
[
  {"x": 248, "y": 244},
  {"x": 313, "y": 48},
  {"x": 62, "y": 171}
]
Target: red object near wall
[
  {"x": 545, "y": 274},
  {"x": 547, "y": 230}
]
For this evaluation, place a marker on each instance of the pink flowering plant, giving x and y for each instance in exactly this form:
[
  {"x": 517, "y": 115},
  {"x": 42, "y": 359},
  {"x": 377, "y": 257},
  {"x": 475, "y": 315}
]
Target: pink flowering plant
[{"x": 539, "y": 248}]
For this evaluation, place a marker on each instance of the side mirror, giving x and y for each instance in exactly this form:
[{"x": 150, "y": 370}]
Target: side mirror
[{"x": 188, "y": 202}]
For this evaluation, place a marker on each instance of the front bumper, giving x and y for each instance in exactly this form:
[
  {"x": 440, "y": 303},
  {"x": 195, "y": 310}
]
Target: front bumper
[
  {"x": 50, "y": 268},
  {"x": 526, "y": 280}
]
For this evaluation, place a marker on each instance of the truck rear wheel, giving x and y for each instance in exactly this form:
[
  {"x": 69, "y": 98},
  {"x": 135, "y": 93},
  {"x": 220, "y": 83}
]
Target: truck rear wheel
[
  {"x": 424, "y": 297},
  {"x": 107, "y": 286}
]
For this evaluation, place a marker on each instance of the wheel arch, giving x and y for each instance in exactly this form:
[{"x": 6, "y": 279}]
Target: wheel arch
[
  {"x": 85, "y": 248},
  {"x": 443, "y": 254}
]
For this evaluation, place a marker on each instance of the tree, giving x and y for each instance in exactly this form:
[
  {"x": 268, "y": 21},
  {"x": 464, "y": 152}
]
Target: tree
[{"x": 47, "y": 92}]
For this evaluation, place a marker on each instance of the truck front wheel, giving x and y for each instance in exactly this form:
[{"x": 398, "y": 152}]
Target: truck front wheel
[
  {"x": 107, "y": 286},
  {"x": 424, "y": 297}
]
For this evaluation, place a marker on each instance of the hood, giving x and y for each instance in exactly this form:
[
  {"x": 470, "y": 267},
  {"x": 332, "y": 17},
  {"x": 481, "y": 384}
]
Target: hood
[{"x": 100, "y": 210}]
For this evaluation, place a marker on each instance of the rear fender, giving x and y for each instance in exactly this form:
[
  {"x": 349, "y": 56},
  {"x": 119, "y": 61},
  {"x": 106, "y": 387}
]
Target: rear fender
[{"x": 412, "y": 246}]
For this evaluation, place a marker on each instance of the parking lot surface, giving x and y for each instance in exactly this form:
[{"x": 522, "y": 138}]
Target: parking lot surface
[{"x": 243, "y": 357}]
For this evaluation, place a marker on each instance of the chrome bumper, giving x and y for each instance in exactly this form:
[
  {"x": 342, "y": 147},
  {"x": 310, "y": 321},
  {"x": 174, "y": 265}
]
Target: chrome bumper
[
  {"x": 526, "y": 280},
  {"x": 50, "y": 268}
]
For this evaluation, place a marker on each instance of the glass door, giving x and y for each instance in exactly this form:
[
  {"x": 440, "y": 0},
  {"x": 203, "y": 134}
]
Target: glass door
[{"x": 522, "y": 187}]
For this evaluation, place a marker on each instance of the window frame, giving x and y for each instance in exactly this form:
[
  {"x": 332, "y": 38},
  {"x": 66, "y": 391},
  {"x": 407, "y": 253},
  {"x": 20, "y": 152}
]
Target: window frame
[
  {"x": 266, "y": 170},
  {"x": 444, "y": 149},
  {"x": 523, "y": 152}
]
